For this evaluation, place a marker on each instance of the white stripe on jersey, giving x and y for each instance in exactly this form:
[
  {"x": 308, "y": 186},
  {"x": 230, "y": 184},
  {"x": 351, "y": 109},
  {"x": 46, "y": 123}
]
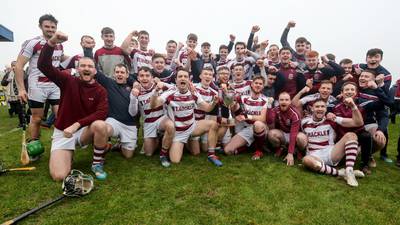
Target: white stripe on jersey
[
  {"x": 247, "y": 63},
  {"x": 149, "y": 115},
  {"x": 252, "y": 106},
  {"x": 242, "y": 88},
  {"x": 141, "y": 58},
  {"x": 31, "y": 49},
  {"x": 320, "y": 134},
  {"x": 181, "y": 107},
  {"x": 207, "y": 95}
]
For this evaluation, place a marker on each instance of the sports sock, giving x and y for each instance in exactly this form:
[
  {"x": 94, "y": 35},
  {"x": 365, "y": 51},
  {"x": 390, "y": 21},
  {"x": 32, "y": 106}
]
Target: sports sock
[
  {"x": 350, "y": 150},
  {"x": 259, "y": 139},
  {"x": 163, "y": 152},
  {"x": 98, "y": 155},
  {"x": 326, "y": 169}
]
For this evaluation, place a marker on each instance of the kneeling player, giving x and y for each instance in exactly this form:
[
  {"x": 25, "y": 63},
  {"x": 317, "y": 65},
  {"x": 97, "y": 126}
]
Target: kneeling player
[
  {"x": 181, "y": 102},
  {"x": 154, "y": 119},
  {"x": 84, "y": 106},
  {"x": 285, "y": 124},
  {"x": 250, "y": 111},
  {"x": 322, "y": 153}
]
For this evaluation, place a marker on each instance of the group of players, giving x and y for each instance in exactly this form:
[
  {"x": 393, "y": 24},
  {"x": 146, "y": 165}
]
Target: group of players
[{"x": 266, "y": 99}]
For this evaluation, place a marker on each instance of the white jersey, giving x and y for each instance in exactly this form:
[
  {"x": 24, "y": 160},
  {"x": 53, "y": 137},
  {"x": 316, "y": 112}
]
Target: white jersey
[
  {"x": 242, "y": 88},
  {"x": 247, "y": 63},
  {"x": 140, "y": 58},
  {"x": 149, "y": 115},
  {"x": 207, "y": 94},
  {"x": 251, "y": 106},
  {"x": 180, "y": 107},
  {"x": 320, "y": 134},
  {"x": 31, "y": 49}
]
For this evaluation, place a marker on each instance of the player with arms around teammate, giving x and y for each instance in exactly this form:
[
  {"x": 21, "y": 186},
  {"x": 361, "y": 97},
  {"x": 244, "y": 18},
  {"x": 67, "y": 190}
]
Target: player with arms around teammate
[
  {"x": 322, "y": 152},
  {"x": 181, "y": 102}
]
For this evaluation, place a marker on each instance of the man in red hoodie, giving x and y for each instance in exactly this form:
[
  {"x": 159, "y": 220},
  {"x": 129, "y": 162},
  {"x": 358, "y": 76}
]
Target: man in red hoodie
[{"x": 83, "y": 107}]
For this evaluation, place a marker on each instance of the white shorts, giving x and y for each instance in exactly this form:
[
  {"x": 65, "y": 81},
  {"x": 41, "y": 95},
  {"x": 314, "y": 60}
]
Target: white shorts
[
  {"x": 245, "y": 131},
  {"x": 60, "y": 142},
  {"x": 183, "y": 136},
  {"x": 40, "y": 93},
  {"x": 150, "y": 130},
  {"x": 126, "y": 134},
  {"x": 286, "y": 137},
  {"x": 324, "y": 155},
  {"x": 227, "y": 137}
]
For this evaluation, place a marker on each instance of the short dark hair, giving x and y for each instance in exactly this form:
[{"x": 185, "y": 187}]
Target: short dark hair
[
  {"x": 374, "y": 52},
  {"x": 48, "y": 17},
  {"x": 240, "y": 43},
  {"x": 259, "y": 78},
  {"x": 156, "y": 56},
  {"x": 119, "y": 65},
  {"x": 172, "y": 42},
  {"x": 208, "y": 68},
  {"x": 144, "y": 68},
  {"x": 320, "y": 100},
  {"x": 143, "y": 32},
  {"x": 331, "y": 56},
  {"x": 349, "y": 82},
  {"x": 285, "y": 48},
  {"x": 192, "y": 37},
  {"x": 373, "y": 72},
  {"x": 205, "y": 44},
  {"x": 223, "y": 47},
  {"x": 236, "y": 65},
  {"x": 345, "y": 61},
  {"x": 182, "y": 69},
  {"x": 301, "y": 40},
  {"x": 107, "y": 30}
]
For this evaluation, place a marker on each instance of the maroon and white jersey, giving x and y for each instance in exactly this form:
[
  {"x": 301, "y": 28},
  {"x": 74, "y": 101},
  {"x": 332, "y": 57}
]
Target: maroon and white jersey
[
  {"x": 140, "y": 58},
  {"x": 288, "y": 121},
  {"x": 223, "y": 62},
  {"x": 241, "y": 88},
  {"x": 346, "y": 112},
  {"x": 149, "y": 115},
  {"x": 71, "y": 62},
  {"x": 251, "y": 106},
  {"x": 180, "y": 107},
  {"x": 106, "y": 59},
  {"x": 183, "y": 56},
  {"x": 308, "y": 100},
  {"x": 321, "y": 134},
  {"x": 247, "y": 63},
  {"x": 207, "y": 94},
  {"x": 31, "y": 49}
]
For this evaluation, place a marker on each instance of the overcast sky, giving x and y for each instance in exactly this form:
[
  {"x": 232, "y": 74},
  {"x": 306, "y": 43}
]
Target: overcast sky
[{"x": 345, "y": 28}]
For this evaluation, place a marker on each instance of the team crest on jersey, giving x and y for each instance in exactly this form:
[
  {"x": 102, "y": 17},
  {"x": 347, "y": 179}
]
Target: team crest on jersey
[
  {"x": 290, "y": 76},
  {"x": 287, "y": 122}
]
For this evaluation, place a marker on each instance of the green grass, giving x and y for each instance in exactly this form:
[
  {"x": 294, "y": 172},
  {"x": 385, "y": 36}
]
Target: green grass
[{"x": 140, "y": 191}]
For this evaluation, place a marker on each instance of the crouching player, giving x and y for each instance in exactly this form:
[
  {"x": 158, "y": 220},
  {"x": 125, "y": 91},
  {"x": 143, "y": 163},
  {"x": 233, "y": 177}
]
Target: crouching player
[
  {"x": 181, "y": 102},
  {"x": 322, "y": 153},
  {"x": 154, "y": 119},
  {"x": 284, "y": 122},
  {"x": 250, "y": 111},
  {"x": 83, "y": 108}
]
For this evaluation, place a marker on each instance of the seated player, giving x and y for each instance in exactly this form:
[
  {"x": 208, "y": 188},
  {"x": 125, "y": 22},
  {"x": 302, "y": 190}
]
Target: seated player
[
  {"x": 181, "y": 102},
  {"x": 251, "y": 114},
  {"x": 155, "y": 122},
  {"x": 322, "y": 152},
  {"x": 284, "y": 122},
  {"x": 83, "y": 108}
]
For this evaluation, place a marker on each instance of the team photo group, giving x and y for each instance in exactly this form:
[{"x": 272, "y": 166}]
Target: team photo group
[{"x": 284, "y": 100}]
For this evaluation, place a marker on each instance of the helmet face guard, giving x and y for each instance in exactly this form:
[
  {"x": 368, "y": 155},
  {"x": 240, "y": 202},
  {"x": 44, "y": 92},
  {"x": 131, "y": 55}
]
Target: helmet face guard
[{"x": 77, "y": 184}]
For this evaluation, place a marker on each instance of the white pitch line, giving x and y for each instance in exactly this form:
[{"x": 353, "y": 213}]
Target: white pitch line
[{"x": 10, "y": 131}]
